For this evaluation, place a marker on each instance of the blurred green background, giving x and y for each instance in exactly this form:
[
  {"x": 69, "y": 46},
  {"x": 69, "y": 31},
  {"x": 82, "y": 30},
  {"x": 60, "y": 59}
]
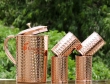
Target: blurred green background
[{"x": 61, "y": 16}]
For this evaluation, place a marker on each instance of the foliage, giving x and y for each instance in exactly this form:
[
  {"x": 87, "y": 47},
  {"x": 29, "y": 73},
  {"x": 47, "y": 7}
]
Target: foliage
[
  {"x": 7, "y": 69},
  {"x": 100, "y": 70},
  {"x": 71, "y": 69},
  {"x": 77, "y": 16}
]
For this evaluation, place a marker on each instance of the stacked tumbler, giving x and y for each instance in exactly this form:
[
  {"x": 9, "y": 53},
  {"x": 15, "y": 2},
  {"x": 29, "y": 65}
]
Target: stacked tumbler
[
  {"x": 60, "y": 61},
  {"x": 84, "y": 62}
]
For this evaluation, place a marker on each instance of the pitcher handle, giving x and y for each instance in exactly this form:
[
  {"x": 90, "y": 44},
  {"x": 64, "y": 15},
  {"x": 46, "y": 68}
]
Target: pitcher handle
[{"x": 6, "y": 49}]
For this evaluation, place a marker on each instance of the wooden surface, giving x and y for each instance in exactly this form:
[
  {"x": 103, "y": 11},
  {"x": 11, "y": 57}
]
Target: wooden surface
[{"x": 13, "y": 81}]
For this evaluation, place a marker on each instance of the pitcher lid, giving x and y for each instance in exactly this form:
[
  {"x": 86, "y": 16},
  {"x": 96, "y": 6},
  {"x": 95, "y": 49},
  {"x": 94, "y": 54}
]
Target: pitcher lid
[{"x": 33, "y": 30}]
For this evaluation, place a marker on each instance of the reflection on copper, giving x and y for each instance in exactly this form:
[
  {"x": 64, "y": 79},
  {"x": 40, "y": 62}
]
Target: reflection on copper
[
  {"x": 59, "y": 69},
  {"x": 83, "y": 67},
  {"x": 66, "y": 45},
  {"x": 83, "y": 82},
  {"x": 92, "y": 44}
]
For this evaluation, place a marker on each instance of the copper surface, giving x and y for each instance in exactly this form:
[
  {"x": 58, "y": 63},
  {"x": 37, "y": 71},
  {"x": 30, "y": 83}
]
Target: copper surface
[
  {"x": 66, "y": 45},
  {"x": 59, "y": 69},
  {"x": 83, "y": 67},
  {"x": 31, "y": 57},
  {"x": 91, "y": 45}
]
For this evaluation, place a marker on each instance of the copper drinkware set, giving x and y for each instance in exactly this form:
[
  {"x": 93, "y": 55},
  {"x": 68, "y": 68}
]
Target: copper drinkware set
[
  {"x": 83, "y": 62},
  {"x": 31, "y": 56}
]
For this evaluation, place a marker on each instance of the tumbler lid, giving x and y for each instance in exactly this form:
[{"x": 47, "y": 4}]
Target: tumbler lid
[{"x": 33, "y": 30}]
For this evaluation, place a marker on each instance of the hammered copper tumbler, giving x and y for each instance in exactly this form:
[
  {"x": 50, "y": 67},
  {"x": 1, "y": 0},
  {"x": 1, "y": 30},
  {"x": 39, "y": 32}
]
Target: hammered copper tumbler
[
  {"x": 66, "y": 45},
  {"x": 92, "y": 44},
  {"x": 31, "y": 57},
  {"x": 59, "y": 69},
  {"x": 83, "y": 68}
]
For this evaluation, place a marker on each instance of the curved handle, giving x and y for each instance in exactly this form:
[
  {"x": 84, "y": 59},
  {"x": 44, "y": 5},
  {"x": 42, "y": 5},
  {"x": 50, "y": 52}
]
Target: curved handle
[{"x": 6, "y": 49}]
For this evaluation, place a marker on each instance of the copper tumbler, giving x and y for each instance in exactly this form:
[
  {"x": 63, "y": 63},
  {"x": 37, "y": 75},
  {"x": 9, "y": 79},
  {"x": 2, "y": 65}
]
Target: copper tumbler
[
  {"x": 91, "y": 45},
  {"x": 59, "y": 69},
  {"x": 84, "y": 68},
  {"x": 66, "y": 45},
  {"x": 31, "y": 57}
]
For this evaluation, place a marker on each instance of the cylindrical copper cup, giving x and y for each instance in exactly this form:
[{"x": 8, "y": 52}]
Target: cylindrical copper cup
[
  {"x": 83, "y": 82},
  {"x": 59, "y": 69},
  {"x": 92, "y": 44},
  {"x": 66, "y": 45},
  {"x": 83, "y": 67}
]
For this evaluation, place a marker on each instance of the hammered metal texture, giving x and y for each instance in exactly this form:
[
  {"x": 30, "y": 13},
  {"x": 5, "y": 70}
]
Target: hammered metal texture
[
  {"x": 66, "y": 45},
  {"x": 83, "y": 82},
  {"x": 59, "y": 69},
  {"x": 31, "y": 58},
  {"x": 83, "y": 67},
  {"x": 91, "y": 45}
]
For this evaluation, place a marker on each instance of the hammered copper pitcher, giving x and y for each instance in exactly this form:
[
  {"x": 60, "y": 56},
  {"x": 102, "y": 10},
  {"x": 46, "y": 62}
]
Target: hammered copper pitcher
[{"x": 31, "y": 57}]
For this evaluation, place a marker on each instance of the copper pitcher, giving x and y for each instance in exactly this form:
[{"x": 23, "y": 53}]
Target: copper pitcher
[{"x": 31, "y": 57}]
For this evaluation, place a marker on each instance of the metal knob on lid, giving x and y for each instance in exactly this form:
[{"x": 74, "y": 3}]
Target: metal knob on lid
[
  {"x": 66, "y": 45},
  {"x": 92, "y": 44}
]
